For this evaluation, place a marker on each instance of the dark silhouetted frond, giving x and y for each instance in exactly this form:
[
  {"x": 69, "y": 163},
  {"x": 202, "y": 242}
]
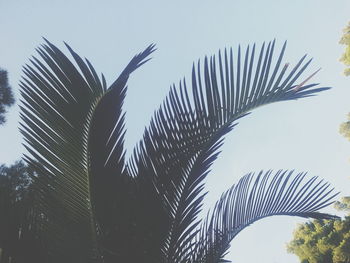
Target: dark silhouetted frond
[
  {"x": 106, "y": 150},
  {"x": 67, "y": 113},
  {"x": 254, "y": 198}
]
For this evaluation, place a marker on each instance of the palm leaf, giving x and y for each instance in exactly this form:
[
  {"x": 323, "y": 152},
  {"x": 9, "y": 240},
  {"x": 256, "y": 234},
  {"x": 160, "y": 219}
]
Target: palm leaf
[
  {"x": 116, "y": 195},
  {"x": 106, "y": 150},
  {"x": 56, "y": 104},
  {"x": 61, "y": 113},
  {"x": 254, "y": 198},
  {"x": 186, "y": 132}
]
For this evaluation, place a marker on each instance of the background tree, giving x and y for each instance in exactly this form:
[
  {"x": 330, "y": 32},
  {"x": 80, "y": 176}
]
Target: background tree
[
  {"x": 344, "y": 128},
  {"x": 16, "y": 217},
  {"x": 14, "y": 183},
  {"x": 324, "y": 241},
  {"x": 345, "y": 40},
  {"x": 343, "y": 205},
  {"x": 6, "y": 96}
]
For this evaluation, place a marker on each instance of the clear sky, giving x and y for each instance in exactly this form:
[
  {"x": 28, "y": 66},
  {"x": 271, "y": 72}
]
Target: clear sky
[{"x": 302, "y": 135}]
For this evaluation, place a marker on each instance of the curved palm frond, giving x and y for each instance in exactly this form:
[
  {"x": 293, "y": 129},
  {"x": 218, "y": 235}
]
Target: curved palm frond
[
  {"x": 106, "y": 146},
  {"x": 61, "y": 114},
  {"x": 120, "y": 204},
  {"x": 254, "y": 198},
  {"x": 187, "y": 131},
  {"x": 57, "y": 100}
]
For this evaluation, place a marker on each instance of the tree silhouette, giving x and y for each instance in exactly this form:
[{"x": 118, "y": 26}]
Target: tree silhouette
[
  {"x": 17, "y": 242},
  {"x": 6, "y": 97},
  {"x": 93, "y": 205}
]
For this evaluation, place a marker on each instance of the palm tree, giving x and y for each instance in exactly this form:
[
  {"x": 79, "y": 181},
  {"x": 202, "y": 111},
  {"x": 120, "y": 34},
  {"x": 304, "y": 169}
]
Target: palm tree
[{"x": 92, "y": 205}]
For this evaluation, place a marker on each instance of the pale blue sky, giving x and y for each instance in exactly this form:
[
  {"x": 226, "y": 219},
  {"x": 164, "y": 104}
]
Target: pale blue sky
[{"x": 301, "y": 134}]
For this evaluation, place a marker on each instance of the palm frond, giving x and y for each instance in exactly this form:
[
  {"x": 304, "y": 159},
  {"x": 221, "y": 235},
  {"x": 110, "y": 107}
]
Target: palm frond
[
  {"x": 106, "y": 150},
  {"x": 187, "y": 131},
  {"x": 63, "y": 111},
  {"x": 114, "y": 192},
  {"x": 57, "y": 100},
  {"x": 254, "y": 198}
]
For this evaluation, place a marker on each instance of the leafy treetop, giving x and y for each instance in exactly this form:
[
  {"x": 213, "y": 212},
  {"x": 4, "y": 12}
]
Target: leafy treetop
[
  {"x": 345, "y": 40},
  {"x": 324, "y": 241},
  {"x": 344, "y": 128},
  {"x": 6, "y": 96}
]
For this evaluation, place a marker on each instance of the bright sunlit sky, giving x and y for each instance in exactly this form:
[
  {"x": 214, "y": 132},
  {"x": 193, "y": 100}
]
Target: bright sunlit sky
[{"x": 301, "y": 135}]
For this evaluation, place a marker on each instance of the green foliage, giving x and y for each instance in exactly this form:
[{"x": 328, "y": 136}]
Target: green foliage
[
  {"x": 323, "y": 241},
  {"x": 344, "y": 128},
  {"x": 14, "y": 181},
  {"x": 88, "y": 204},
  {"x": 344, "y": 204},
  {"x": 345, "y": 40},
  {"x": 6, "y": 96}
]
